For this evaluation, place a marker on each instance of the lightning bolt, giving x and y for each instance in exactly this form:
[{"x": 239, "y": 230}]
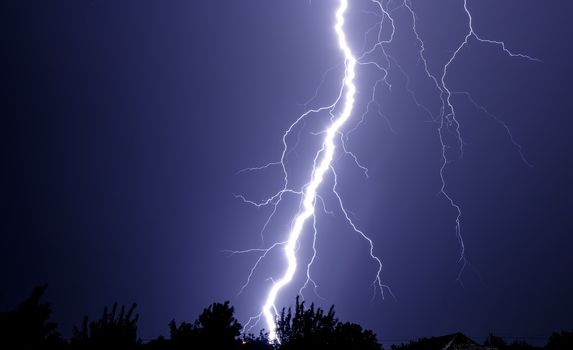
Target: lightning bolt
[
  {"x": 340, "y": 112},
  {"x": 321, "y": 166}
]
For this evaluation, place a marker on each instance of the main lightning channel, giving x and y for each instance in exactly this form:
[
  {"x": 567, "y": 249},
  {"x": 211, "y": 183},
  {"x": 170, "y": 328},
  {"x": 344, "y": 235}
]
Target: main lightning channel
[{"x": 317, "y": 174}]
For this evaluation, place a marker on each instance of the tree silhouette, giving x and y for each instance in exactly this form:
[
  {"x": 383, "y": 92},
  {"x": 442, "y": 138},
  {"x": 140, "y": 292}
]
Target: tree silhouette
[
  {"x": 216, "y": 327},
  {"x": 28, "y": 325},
  {"x": 117, "y": 330},
  {"x": 352, "y": 336},
  {"x": 561, "y": 340},
  {"x": 182, "y": 336},
  {"x": 312, "y": 328}
]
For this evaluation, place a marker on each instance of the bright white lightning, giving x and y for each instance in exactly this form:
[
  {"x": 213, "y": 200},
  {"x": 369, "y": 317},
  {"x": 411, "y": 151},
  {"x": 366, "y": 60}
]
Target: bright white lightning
[
  {"x": 446, "y": 121},
  {"x": 318, "y": 172}
]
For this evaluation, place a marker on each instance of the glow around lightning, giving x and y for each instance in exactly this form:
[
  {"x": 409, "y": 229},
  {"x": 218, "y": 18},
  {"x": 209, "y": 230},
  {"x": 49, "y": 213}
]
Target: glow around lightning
[
  {"x": 341, "y": 111},
  {"x": 319, "y": 170}
]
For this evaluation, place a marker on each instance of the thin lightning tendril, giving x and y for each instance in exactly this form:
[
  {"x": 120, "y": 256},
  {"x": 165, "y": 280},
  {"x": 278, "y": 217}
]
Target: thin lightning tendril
[
  {"x": 340, "y": 112},
  {"x": 448, "y": 117}
]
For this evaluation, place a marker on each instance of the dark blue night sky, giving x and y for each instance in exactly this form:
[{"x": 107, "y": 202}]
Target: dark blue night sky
[{"x": 124, "y": 124}]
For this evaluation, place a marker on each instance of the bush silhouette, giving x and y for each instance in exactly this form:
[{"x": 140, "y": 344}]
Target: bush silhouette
[{"x": 111, "y": 330}]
